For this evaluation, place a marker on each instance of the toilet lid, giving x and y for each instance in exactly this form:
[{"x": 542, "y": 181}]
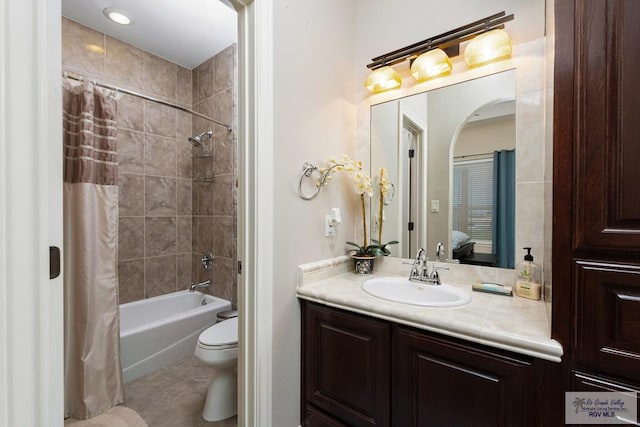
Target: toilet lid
[{"x": 222, "y": 333}]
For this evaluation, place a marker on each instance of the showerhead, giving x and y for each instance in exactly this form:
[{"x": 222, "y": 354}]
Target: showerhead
[{"x": 196, "y": 141}]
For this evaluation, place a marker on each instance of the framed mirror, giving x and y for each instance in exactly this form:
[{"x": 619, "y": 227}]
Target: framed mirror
[{"x": 450, "y": 154}]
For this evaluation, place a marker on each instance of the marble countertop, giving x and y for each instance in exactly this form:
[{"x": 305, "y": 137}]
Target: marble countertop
[{"x": 511, "y": 323}]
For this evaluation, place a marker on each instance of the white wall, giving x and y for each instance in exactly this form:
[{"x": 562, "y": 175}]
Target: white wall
[{"x": 314, "y": 118}]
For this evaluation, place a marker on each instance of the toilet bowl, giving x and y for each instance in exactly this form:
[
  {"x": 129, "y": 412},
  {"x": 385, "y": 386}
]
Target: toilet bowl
[{"x": 218, "y": 347}]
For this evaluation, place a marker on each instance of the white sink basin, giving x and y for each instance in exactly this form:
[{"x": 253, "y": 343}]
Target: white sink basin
[{"x": 402, "y": 290}]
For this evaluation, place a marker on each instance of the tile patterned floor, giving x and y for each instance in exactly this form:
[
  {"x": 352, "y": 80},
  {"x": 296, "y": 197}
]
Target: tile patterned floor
[{"x": 174, "y": 396}]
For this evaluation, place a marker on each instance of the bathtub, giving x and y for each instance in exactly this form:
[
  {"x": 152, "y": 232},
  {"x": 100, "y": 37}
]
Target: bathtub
[{"x": 157, "y": 331}]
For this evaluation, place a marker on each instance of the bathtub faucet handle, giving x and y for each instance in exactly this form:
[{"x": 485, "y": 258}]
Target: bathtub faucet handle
[
  {"x": 199, "y": 285},
  {"x": 207, "y": 261}
]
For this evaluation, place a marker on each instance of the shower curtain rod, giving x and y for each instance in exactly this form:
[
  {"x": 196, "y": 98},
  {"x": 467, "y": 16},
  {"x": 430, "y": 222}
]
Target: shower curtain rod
[{"x": 148, "y": 98}]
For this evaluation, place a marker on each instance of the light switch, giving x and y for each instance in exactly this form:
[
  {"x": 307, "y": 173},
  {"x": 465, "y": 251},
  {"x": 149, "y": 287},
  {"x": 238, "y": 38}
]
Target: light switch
[{"x": 435, "y": 206}]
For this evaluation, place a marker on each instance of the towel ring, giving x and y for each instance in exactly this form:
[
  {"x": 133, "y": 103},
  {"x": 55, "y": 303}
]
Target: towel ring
[{"x": 308, "y": 169}]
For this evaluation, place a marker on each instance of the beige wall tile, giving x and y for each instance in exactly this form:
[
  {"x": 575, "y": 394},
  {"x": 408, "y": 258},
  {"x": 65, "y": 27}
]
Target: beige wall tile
[
  {"x": 530, "y": 137},
  {"x": 184, "y": 196},
  {"x": 159, "y": 236},
  {"x": 223, "y": 106},
  {"x": 83, "y": 49},
  {"x": 202, "y": 166},
  {"x": 183, "y": 280},
  {"x": 224, "y": 244},
  {"x": 130, "y": 151},
  {"x": 130, "y": 238},
  {"x": 530, "y": 220},
  {"x": 224, "y": 282},
  {"x": 205, "y": 79},
  {"x": 159, "y": 275},
  {"x": 130, "y": 113},
  {"x": 184, "y": 159},
  {"x": 131, "y": 280},
  {"x": 224, "y": 194},
  {"x": 130, "y": 194},
  {"x": 204, "y": 107},
  {"x": 159, "y": 77},
  {"x": 159, "y": 119},
  {"x": 124, "y": 64},
  {"x": 203, "y": 198},
  {"x": 224, "y": 69},
  {"x": 224, "y": 153},
  {"x": 184, "y": 126},
  {"x": 160, "y": 196},
  {"x": 184, "y": 235},
  {"x": 202, "y": 234},
  {"x": 159, "y": 156},
  {"x": 184, "y": 91}
]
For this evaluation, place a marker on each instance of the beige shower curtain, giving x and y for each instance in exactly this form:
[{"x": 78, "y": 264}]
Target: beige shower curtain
[{"x": 93, "y": 376}]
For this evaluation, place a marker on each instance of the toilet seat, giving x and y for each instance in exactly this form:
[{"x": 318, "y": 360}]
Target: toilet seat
[{"x": 223, "y": 335}]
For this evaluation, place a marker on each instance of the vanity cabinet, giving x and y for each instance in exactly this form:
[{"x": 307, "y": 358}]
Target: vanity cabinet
[
  {"x": 596, "y": 237},
  {"x": 361, "y": 371}
]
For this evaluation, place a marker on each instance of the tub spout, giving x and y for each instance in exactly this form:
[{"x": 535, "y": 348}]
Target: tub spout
[{"x": 195, "y": 286}]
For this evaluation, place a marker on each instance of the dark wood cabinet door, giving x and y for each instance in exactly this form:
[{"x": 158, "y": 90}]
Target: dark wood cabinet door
[
  {"x": 608, "y": 313},
  {"x": 607, "y": 126},
  {"x": 440, "y": 382},
  {"x": 584, "y": 381},
  {"x": 315, "y": 418},
  {"x": 346, "y": 370}
]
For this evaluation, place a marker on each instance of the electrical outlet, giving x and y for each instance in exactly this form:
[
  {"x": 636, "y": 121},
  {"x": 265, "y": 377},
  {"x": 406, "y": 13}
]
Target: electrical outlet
[{"x": 329, "y": 227}]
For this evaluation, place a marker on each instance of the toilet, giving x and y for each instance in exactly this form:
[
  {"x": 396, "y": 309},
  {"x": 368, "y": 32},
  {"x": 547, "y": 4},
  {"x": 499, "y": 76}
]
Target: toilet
[{"x": 218, "y": 347}]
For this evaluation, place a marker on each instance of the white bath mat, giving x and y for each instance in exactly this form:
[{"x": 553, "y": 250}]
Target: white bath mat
[{"x": 118, "y": 416}]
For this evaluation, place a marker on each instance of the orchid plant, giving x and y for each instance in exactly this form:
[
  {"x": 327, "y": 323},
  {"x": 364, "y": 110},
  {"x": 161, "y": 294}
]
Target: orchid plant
[
  {"x": 364, "y": 188},
  {"x": 385, "y": 187}
]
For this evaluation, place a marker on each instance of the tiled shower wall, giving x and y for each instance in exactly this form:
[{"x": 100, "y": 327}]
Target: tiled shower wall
[
  {"x": 155, "y": 163},
  {"x": 215, "y": 173}
]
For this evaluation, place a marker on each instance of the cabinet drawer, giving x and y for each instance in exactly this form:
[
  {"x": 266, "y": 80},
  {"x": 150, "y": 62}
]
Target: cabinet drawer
[{"x": 608, "y": 333}]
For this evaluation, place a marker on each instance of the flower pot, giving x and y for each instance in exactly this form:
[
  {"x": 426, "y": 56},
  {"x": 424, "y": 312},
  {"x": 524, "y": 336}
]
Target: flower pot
[{"x": 363, "y": 264}]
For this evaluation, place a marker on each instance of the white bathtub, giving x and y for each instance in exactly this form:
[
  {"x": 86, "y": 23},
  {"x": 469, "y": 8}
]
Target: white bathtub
[{"x": 157, "y": 331}]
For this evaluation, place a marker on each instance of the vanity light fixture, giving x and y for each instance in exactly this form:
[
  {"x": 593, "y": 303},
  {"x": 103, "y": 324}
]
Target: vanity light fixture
[
  {"x": 118, "y": 16},
  {"x": 430, "y": 57},
  {"x": 381, "y": 79},
  {"x": 430, "y": 65},
  {"x": 492, "y": 46}
]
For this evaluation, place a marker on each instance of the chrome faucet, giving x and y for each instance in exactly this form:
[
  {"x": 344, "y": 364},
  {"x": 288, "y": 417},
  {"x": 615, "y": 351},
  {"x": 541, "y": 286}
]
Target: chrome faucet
[
  {"x": 439, "y": 250},
  {"x": 199, "y": 285},
  {"x": 419, "y": 267},
  {"x": 420, "y": 270}
]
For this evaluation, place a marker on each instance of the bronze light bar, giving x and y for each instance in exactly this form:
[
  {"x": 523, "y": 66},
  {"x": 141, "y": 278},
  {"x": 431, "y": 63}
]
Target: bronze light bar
[{"x": 448, "y": 41}]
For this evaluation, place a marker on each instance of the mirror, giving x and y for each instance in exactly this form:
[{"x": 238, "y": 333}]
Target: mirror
[{"x": 450, "y": 153}]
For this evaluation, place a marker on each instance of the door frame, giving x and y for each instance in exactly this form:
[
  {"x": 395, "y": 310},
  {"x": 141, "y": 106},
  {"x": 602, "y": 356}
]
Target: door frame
[
  {"x": 31, "y": 306},
  {"x": 31, "y": 316}
]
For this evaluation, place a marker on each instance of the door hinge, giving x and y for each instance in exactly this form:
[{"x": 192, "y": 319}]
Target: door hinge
[
  {"x": 410, "y": 226},
  {"x": 412, "y": 153},
  {"x": 239, "y": 267}
]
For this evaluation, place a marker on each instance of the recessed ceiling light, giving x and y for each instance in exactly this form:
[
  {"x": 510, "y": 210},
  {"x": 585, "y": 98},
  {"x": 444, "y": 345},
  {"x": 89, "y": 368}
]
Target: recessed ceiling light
[{"x": 118, "y": 15}]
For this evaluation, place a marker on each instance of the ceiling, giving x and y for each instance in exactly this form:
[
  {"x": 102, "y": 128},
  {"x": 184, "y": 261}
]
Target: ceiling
[{"x": 187, "y": 32}]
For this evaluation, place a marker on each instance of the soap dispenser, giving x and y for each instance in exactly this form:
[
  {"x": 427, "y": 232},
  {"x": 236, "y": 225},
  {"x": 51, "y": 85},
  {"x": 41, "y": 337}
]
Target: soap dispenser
[{"x": 529, "y": 283}]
